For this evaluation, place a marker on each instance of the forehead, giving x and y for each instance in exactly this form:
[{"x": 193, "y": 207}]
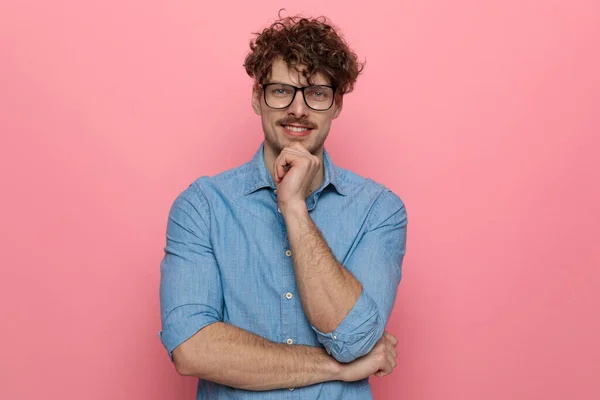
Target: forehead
[{"x": 281, "y": 72}]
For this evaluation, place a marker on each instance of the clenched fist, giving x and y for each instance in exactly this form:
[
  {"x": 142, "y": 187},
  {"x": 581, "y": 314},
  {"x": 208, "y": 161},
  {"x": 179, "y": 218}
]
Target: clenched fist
[
  {"x": 294, "y": 170},
  {"x": 380, "y": 361}
]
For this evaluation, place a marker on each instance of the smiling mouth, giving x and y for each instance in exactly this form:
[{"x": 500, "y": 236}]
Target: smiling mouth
[{"x": 297, "y": 129}]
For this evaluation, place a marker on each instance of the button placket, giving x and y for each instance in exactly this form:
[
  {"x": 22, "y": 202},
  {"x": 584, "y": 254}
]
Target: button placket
[
  {"x": 288, "y": 314},
  {"x": 286, "y": 261}
]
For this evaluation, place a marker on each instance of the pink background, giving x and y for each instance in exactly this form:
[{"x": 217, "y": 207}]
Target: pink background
[{"x": 483, "y": 116}]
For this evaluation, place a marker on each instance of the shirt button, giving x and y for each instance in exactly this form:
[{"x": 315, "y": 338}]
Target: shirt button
[
  {"x": 288, "y": 253},
  {"x": 290, "y": 341},
  {"x": 334, "y": 337},
  {"x": 275, "y": 191},
  {"x": 288, "y": 295},
  {"x": 291, "y": 389},
  {"x": 278, "y": 210}
]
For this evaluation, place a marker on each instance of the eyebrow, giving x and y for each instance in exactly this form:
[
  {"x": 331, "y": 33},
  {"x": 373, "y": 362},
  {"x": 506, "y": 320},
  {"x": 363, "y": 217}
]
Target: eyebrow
[
  {"x": 284, "y": 83},
  {"x": 289, "y": 84}
]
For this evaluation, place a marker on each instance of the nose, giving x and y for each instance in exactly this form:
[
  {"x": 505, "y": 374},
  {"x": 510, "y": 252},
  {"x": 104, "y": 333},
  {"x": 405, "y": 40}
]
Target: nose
[{"x": 298, "y": 108}]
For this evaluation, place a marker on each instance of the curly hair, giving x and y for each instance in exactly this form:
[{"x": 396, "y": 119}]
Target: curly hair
[{"x": 310, "y": 45}]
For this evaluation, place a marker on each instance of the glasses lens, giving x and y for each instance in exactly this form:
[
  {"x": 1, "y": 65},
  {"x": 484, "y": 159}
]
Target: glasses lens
[
  {"x": 318, "y": 97},
  {"x": 278, "y": 95}
]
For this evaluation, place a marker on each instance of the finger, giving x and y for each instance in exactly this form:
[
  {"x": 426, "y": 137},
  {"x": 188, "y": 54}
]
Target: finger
[
  {"x": 390, "y": 349},
  {"x": 279, "y": 171},
  {"x": 291, "y": 156},
  {"x": 392, "y": 362},
  {"x": 281, "y": 161},
  {"x": 299, "y": 147},
  {"x": 393, "y": 340},
  {"x": 385, "y": 369},
  {"x": 275, "y": 172},
  {"x": 386, "y": 363},
  {"x": 300, "y": 151}
]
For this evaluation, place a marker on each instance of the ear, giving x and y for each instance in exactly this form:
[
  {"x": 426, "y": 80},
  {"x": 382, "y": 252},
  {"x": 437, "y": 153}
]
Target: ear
[
  {"x": 337, "y": 106},
  {"x": 256, "y": 106}
]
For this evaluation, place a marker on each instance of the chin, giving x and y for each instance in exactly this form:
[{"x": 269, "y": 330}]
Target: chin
[{"x": 280, "y": 142}]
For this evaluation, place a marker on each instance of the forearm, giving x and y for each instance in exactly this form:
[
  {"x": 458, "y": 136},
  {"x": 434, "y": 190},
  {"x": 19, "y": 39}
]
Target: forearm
[
  {"x": 328, "y": 291},
  {"x": 231, "y": 356}
]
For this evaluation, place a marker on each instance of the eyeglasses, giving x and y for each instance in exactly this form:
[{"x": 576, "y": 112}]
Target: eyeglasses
[{"x": 316, "y": 97}]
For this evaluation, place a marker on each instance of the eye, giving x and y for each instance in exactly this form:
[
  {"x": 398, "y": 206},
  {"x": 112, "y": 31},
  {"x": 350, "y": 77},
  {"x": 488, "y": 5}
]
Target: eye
[
  {"x": 319, "y": 93},
  {"x": 280, "y": 91}
]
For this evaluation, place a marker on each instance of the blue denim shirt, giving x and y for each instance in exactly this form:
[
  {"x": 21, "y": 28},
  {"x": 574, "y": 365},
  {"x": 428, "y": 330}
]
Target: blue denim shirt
[{"x": 227, "y": 259}]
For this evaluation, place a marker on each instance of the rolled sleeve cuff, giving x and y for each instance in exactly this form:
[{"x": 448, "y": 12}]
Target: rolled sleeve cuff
[
  {"x": 356, "y": 335},
  {"x": 183, "y": 323}
]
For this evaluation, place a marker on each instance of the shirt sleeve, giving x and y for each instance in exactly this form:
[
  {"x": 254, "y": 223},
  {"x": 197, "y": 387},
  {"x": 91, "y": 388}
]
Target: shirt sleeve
[
  {"x": 190, "y": 284},
  {"x": 376, "y": 262}
]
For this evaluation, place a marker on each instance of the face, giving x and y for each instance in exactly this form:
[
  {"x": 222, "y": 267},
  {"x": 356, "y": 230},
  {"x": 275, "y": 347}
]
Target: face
[{"x": 297, "y": 122}]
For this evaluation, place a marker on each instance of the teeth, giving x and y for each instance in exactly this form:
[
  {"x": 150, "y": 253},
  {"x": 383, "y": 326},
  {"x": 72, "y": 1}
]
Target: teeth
[{"x": 295, "y": 128}]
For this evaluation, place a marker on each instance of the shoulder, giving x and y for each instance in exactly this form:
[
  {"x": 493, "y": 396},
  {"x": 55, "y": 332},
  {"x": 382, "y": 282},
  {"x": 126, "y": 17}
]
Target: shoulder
[
  {"x": 384, "y": 202},
  {"x": 199, "y": 193},
  {"x": 232, "y": 181},
  {"x": 353, "y": 183}
]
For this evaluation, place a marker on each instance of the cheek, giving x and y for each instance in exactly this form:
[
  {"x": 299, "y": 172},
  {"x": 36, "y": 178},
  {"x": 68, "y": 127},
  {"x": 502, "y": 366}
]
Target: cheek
[
  {"x": 269, "y": 122},
  {"x": 265, "y": 117},
  {"x": 272, "y": 117},
  {"x": 325, "y": 121}
]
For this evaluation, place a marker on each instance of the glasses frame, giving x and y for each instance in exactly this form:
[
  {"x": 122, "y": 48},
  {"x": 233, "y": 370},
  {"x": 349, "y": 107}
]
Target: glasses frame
[{"x": 296, "y": 90}]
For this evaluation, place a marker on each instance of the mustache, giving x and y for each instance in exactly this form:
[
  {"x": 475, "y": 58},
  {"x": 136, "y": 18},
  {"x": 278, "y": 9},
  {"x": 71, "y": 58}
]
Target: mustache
[{"x": 298, "y": 121}]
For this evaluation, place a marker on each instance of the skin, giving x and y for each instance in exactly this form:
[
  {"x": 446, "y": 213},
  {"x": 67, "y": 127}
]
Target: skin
[
  {"x": 231, "y": 356},
  {"x": 327, "y": 290},
  {"x": 228, "y": 355},
  {"x": 297, "y": 114}
]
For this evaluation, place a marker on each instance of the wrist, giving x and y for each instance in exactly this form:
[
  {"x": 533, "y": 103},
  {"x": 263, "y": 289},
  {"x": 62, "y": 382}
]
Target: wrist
[
  {"x": 336, "y": 370},
  {"x": 293, "y": 207}
]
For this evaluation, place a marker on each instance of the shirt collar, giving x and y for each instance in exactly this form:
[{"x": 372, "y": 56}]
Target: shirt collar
[{"x": 259, "y": 177}]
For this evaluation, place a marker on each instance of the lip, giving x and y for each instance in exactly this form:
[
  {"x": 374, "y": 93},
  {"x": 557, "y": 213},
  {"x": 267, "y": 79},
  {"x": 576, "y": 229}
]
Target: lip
[{"x": 297, "y": 134}]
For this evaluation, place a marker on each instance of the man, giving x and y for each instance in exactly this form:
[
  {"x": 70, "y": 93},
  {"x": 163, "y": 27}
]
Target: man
[{"x": 279, "y": 276}]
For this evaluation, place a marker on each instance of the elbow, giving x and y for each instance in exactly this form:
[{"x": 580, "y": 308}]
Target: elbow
[
  {"x": 359, "y": 344},
  {"x": 182, "y": 369},
  {"x": 182, "y": 363},
  {"x": 343, "y": 357},
  {"x": 349, "y": 353},
  {"x": 185, "y": 364},
  {"x": 192, "y": 357}
]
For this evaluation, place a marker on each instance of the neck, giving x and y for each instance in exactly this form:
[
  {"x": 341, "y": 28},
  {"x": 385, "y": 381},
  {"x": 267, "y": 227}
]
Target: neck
[{"x": 270, "y": 156}]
